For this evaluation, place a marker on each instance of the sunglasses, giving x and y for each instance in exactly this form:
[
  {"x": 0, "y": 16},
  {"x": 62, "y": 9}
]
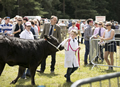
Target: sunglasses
[
  {"x": 100, "y": 24},
  {"x": 107, "y": 25},
  {"x": 19, "y": 20}
]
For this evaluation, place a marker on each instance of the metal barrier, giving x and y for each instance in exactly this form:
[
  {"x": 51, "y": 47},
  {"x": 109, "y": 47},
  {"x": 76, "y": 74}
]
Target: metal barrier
[
  {"x": 95, "y": 53},
  {"x": 117, "y": 31},
  {"x": 81, "y": 82}
]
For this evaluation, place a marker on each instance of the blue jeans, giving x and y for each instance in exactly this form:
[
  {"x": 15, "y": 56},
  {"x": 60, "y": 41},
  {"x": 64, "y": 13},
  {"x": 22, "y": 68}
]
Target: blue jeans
[
  {"x": 26, "y": 72},
  {"x": 86, "y": 51},
  {"x": 69, "y": 72}
]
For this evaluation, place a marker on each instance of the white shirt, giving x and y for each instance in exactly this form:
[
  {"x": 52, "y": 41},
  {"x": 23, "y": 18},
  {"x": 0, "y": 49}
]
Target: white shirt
[
  {"x": 36, "y": 30},
  {"x": 26, "y": 35},
  {"x": 70, "y": 57},
  {"x": 72, "y": 28},
  {"x": 61, "y": 24},
  {"x": 82, "y": 26}
]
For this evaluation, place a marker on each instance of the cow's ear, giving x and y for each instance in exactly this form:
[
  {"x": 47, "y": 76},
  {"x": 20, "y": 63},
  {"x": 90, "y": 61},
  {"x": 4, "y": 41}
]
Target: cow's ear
[{"x": 46, "y": 37}]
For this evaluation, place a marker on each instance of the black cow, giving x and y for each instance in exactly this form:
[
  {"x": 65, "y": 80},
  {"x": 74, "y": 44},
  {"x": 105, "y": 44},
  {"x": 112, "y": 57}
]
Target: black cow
[{"x": 25, "y": 53}]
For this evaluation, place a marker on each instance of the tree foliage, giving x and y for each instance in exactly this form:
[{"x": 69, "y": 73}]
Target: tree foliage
[{"x": 78, "y": 9}]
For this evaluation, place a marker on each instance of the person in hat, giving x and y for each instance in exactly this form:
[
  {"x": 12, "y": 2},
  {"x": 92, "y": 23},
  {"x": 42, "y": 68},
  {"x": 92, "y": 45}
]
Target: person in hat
[{"x": 27, "y": 34}]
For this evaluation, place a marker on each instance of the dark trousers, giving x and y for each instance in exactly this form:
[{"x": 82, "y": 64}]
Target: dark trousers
[
  {"x": 101, "y": 52},
  {"x": 69, "y": 72},
  {"x": 43, "y": 64},
  {"x": 82, "y": 38},
  {"x": 86, "y": 51}
]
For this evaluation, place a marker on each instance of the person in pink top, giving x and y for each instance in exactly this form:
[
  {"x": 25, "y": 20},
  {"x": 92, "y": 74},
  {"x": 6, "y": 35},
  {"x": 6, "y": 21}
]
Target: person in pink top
[{"x": 99, "y": 31}]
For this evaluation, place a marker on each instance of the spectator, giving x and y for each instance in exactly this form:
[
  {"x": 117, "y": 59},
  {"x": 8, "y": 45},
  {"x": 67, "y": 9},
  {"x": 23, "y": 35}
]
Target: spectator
[
  {"x": 87, "y": 35},
  {"x": 95, "y": 26},
  {"x": 27, "y": 34},
  {"x": 99, "y": 31},
  {"x": 73, "y": 27},
  {"x": 39, "y": 24},
  {"x": 70, "y": 58},
  {"x": 35, "y": 29},
  {"x": 62, "y": 23},
  {"x": 116, "y": 25},
  {"x": 25, "y": 19},
  {"x": 36, "y": 24},
  {"x": 17, "y": 28},
  {"x": 110, "y": 46},
  {"x": 6, "y": 27},
  {"x": 51, "y": 29},
  {"x": 78, "y": 26},
  {"x": 70, "y": 24},
  {"x": 113, "y": 27},
  {"x": 82, "y": 28},
  {"x": 0, "y": 20}
]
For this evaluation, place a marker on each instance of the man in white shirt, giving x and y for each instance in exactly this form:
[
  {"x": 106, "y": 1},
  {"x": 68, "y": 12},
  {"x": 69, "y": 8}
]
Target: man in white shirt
[
  {"x": 62, "y": 23},
  {"x": 82, "y": 27},
  {"x": 27, "y": 34}
]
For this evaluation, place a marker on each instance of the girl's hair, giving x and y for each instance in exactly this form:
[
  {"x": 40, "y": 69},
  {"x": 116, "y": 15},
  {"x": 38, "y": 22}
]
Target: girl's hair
[{"x": 74, "y": 31}]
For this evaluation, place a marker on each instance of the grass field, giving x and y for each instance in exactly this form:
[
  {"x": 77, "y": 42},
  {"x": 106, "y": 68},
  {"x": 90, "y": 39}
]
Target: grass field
[{"x": 57, "y": 80}]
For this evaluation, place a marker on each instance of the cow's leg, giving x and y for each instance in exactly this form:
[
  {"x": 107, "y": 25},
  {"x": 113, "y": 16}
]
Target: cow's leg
[
  {"x": 32, "y": 71},
  {"x": 20, "y": 73},
  {"x": 2, "y": 65}
]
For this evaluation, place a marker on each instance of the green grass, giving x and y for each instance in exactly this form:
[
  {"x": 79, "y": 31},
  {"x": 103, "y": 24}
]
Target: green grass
[{"x": 57, "y": 80}]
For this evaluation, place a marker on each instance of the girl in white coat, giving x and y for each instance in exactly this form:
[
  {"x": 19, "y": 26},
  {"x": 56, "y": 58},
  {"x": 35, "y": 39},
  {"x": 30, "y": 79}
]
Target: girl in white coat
[{"x": 70, "y": 59}]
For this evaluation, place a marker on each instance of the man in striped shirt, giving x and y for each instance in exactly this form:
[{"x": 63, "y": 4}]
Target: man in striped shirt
[{"x": 6, "y": 28}]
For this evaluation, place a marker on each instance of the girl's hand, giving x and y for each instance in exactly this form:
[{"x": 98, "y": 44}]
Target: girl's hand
[
  {"x": 68, "y": 40},
  {"x": 79, "y": 48}
]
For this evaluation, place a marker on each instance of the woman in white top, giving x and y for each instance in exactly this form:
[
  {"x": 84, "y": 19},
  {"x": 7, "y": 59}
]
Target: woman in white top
[
  {"x": 110, "y": 46},
  {"x": 27, "y": 34}
]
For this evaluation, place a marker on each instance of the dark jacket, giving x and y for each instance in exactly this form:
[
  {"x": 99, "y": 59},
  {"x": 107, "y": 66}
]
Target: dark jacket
[{"x": 16, "y": 29}]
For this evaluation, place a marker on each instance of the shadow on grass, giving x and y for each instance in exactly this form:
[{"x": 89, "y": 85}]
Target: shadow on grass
[
  {"x": 66, "y": 84},
  {"x": 26, "y": 86},
  {"x": 108, "y": 71},
  {"x": 22, "y": 81},
  {"x": 47, "y": 74}
]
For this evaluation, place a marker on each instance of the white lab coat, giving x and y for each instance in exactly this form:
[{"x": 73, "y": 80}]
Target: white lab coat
[{"x": 70, "y": 57}]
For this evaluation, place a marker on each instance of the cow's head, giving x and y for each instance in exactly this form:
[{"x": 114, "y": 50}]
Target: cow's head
[{"x": 53, "y": 42}]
